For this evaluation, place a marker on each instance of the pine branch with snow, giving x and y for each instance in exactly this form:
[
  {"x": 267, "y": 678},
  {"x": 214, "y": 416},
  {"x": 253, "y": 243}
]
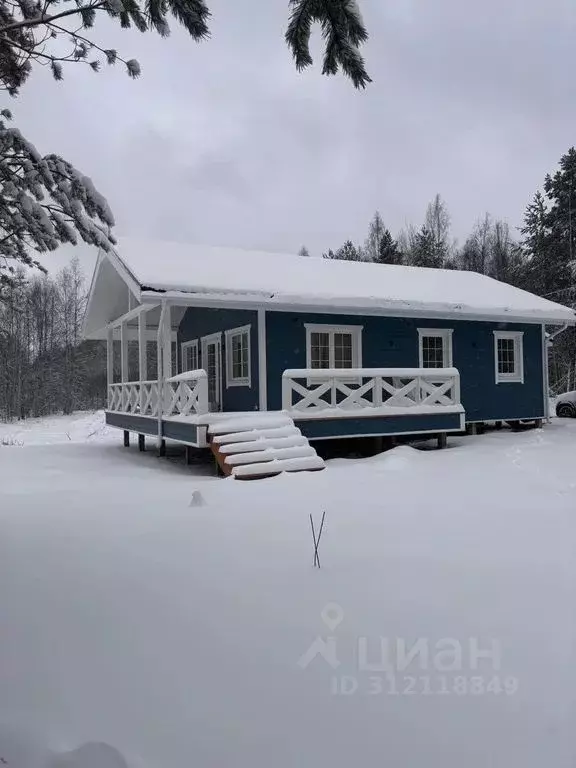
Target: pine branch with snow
[
  {"x": 343, "y": 31},
  {"x": 44, "y": 202},
  {"x": 33, "y": 32}
]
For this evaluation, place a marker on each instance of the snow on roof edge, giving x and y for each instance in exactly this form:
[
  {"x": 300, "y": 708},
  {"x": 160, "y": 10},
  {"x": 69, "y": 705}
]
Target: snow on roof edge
[
  {"x": 395, "y": 307},
  {"x": 180, "y": 270}
]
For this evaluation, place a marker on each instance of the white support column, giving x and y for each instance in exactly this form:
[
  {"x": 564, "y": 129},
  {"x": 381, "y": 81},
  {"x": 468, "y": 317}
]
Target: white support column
[
  {"x": 160, "y": 348},
  {"x": 142, "y": 357},
  {"x": 167, "y": 340},
  {"x": 123, "y": 360},
  {"x": 262, "y": 368},
  {"x": 109, "y": 361}
]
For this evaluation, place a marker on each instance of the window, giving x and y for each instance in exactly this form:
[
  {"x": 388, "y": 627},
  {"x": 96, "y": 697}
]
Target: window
[
  {"x": 509, "y": 356},
  {"x": 435, "y": 347},
  {"x": 190, "y": 357},
  {"x": 333, "y": 347},
  {"x": 238, "y": 357}
]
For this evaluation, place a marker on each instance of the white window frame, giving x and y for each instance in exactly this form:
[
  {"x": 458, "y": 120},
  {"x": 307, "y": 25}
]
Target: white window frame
[
  {"x": 186, "y": 345},
  {"x": 232, "y": 381},
  {"x": 354, "y": 330},
  {"x": 446, "y": 335},
  {"x": 518, "y": 376}
]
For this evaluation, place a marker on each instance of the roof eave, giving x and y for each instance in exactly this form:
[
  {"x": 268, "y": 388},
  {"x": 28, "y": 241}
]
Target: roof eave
[{"x": 258, "y": 301}]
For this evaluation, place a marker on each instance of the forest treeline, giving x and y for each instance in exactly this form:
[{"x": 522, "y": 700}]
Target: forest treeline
[{"x": 45, "y": 366}]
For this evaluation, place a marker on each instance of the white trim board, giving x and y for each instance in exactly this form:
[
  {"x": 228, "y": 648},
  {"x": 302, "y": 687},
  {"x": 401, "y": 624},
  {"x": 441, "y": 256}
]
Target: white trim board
[{"x": 124, "y": 273}]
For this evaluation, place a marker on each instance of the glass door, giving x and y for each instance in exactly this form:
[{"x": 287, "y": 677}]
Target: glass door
[{"x": 212, "y": 364}]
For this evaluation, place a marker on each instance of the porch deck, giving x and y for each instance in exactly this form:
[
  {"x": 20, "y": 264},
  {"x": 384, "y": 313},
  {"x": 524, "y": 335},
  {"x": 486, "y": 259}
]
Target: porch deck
[{"x": 324, "y": 404}]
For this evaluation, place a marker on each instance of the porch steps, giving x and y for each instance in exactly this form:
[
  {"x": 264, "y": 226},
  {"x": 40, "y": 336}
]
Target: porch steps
[{"x": 260, "y": 445}]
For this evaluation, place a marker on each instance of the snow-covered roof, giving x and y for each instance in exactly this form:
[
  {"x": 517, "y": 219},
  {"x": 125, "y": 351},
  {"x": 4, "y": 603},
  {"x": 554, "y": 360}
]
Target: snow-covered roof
[{"x": 251, "y": 277}]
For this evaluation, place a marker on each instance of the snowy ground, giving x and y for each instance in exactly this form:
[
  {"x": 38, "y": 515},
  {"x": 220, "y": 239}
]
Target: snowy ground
[{"x": 179, "y": 634}]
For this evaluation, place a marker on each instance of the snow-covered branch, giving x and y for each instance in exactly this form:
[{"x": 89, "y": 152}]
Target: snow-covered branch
[
  {"x": 340, "y": 20},
  {"x": 45, "y": 202}
]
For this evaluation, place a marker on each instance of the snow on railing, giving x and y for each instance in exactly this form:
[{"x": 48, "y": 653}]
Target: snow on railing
[
  {"x": 184, "y": 395},
  {"x": 309, "y": 391}
]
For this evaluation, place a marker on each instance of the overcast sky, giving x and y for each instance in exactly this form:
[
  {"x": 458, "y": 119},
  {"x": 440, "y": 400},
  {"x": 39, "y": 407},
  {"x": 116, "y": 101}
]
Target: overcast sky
[{"x": 224, "y": 143}]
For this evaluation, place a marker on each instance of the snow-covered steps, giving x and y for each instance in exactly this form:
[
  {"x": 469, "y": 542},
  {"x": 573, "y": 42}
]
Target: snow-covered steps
[
  {"x": 267, "y": 468},
  {"x": 260, "y": 445},
  {"x": 255, "y": 420}
]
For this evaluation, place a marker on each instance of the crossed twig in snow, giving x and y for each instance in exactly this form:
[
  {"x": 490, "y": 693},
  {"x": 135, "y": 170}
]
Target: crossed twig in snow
[{"x": 317, "y": 540}]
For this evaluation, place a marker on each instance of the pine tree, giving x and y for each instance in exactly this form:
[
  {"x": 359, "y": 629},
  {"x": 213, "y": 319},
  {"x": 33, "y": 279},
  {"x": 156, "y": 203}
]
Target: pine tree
[
  {"x": 346, "y": 252},
  {"x": 425, "y": 251},
  {"x": 304, "y": 252},
  {"x": 549, "y": 235},
  {"x": 535, "y": 229},
  {"x": 549, "y": 245},
  {"x": 349, "y": 252},
  {"x": 389, "y": 252},
  {"x": 555, "y": 268},
  {"x": 536, "y": 242}
]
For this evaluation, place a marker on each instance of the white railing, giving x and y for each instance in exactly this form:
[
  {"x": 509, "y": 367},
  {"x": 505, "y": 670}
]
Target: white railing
[
  {"x": 307, "y": 392},
  {"x": 184, "y": 395},
  {"x": 139, "y": 397}
]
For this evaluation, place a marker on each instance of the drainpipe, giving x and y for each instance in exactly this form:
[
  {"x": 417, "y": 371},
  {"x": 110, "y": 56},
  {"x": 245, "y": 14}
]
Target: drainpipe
[{"x": 552, "y": 336}]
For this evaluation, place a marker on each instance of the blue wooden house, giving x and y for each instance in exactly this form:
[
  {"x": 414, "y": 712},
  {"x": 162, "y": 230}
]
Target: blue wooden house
[{"x": 256, "y": 355}]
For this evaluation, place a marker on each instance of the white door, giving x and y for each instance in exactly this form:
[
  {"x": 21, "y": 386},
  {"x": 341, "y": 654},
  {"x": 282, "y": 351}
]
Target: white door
[{"x": 212, "y": 364}]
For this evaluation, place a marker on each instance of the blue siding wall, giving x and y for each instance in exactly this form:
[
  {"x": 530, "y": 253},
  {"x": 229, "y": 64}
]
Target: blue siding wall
[
  {"x": 198, "y": 322},
  {"x": 393, "y": 342}
]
